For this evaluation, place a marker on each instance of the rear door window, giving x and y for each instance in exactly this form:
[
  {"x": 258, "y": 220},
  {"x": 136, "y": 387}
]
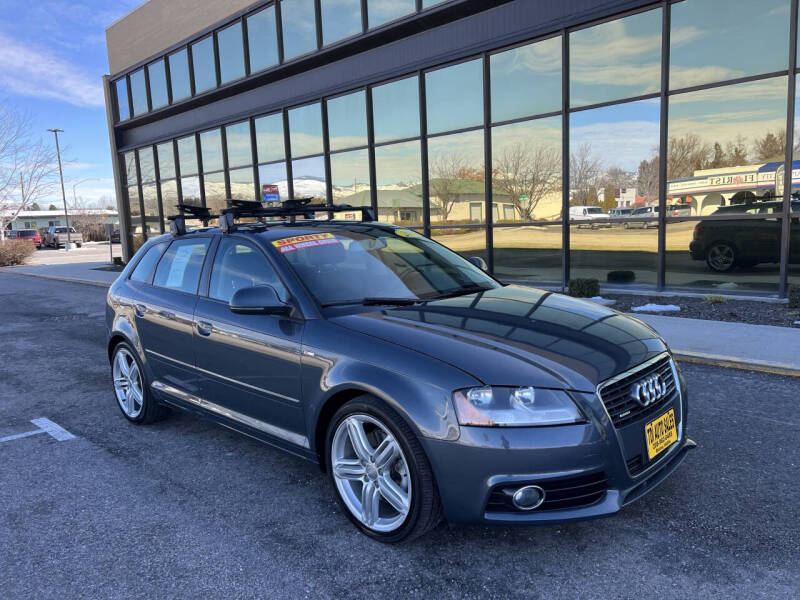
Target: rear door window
[
  {"x": 180, "y": 267},
  {"x": 144, "y": 269}
]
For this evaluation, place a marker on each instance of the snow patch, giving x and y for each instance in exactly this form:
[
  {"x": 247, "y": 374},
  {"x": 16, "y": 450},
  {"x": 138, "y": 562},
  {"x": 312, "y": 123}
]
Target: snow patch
[
  {"x": 656, "y": 308},
  {"x": 603, "y": 301}
]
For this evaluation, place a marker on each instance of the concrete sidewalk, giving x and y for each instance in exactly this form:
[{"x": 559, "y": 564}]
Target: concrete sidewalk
[
  {"x": 79, "y": 272},
  {"x": 740, "y": 345}
]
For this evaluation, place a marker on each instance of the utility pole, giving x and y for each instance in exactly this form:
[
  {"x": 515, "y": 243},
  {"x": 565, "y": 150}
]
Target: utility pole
[{"x": 63, "y": 193}]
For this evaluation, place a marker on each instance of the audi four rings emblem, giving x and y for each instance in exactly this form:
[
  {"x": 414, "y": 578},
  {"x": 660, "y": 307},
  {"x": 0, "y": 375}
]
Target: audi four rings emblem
[{"x": 649, "y": 390}]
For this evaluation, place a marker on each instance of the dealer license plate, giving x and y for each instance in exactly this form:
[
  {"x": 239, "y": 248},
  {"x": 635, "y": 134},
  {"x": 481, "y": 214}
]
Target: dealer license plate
[{"x": 661, "y": 433}]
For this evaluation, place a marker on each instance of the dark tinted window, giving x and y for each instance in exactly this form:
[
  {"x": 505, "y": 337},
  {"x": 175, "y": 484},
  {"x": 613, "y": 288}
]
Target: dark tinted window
[
  {"x": 145, "y": 267},
  {"x": 181, "y": 265},
  {"x": 238, "y": 265}
]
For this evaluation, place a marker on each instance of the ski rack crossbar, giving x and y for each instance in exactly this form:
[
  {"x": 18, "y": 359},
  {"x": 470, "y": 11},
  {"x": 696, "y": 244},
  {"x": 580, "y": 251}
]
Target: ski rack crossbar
[
  {"x": 177, "y": 223},
  {"x": 288, "y": 210}
]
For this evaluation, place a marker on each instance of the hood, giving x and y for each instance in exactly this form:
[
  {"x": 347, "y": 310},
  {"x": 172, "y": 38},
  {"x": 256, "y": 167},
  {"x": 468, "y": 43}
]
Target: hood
[{"x": 518, "y": 336}]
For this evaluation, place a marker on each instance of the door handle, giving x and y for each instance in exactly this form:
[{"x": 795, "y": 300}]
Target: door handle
[
  {"x": 140, "y": 309},
  {"x": 204, "y": 328},
  {"x": 170, "y": 316}
]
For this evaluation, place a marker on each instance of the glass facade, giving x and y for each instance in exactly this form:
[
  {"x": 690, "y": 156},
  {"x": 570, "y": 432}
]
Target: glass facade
[{"x": 550, "y": 167}]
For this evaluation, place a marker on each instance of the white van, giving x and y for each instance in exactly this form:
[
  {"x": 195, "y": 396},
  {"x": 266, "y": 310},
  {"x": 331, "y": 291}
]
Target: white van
[{"x": 588, "y": 216}]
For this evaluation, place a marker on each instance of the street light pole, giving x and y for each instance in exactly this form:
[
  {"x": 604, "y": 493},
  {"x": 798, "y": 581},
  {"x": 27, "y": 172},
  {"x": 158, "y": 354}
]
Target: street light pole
[{"x": 63, "y": 193}]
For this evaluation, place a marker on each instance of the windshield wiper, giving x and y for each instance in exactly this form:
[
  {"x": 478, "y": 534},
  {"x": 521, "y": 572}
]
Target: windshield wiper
[
  {"x": 460, "y": 291},
  {"x": 376, "y": 302}
]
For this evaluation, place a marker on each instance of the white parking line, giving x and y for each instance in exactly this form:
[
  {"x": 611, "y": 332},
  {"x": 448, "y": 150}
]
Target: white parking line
[{"x": 45, "y": 426}]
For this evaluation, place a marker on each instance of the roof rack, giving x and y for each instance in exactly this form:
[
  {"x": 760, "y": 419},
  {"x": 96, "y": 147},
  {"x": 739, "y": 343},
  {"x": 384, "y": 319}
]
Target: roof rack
[
  {"x": 177, "y": 223},
  {"x": 288, "y": 209}
]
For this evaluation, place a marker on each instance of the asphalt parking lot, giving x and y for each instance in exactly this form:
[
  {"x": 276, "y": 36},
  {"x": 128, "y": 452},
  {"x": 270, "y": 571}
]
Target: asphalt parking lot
[{"x": 190, "y": 509}]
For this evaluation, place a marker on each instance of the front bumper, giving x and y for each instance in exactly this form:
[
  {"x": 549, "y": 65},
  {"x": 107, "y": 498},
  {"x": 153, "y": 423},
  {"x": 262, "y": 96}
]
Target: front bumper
[{"x": 484, "y": 460}]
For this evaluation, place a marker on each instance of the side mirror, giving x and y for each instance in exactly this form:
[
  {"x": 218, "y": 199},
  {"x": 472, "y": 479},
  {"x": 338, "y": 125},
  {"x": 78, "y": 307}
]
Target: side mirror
[
  {"x": 479, "y": 262},
  {"x": 258, "y": 300}
]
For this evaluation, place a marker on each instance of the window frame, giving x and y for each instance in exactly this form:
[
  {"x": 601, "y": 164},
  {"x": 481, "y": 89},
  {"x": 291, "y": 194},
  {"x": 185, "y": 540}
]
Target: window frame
[{"x": 209, "y": 250}]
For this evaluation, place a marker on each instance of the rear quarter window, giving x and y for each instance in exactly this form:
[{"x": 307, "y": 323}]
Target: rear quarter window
[
  {"x": 180, "y": 267},
  {"x": 144, "y": 269}
]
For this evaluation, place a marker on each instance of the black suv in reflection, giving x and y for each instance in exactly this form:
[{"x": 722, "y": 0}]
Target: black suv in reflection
[
  {"x": 424, "y": 387},
  {"x": 732, "y": 243}
]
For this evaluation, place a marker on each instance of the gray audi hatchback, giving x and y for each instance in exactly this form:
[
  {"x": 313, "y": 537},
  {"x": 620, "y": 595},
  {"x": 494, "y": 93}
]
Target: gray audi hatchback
[{"x": 423, "y": 386}]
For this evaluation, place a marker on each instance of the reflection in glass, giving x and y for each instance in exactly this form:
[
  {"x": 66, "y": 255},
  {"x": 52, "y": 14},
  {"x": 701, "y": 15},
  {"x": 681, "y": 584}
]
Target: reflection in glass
[
  {"x": 383, "y": 11},
  {"x": 211, "y": 149},
  {"x": 724, "y": 255},
  {"x": 456, "y": 180},
  {"x": 187, "y": 155},
  {"x": 299, "y": 27},
  {"x": 615, "y": 60},
  {"x": 179, "y": 75},
  {"x": 726, "y": 144},
  {"x": 135, "y": 208},
  {"x": 214, "y": 185},
  {"x": 158, "y": 84},
  {"x": 147, "y": 167},
  {"x": 262, "y": 39},
  {"x": 152, "y": 221},
  {"x": 526, "y": 80},
  {"x": 242, "y": 184},
  {"x": 398, "y": 174},
  {"x": 269, "y": 138},
  {"x": 340, "y": 19},
  {"x": 169, "y": 199},
  {"x": 454, "y": 96},
  {"x": 122, "y": 99},
  {"x": 138, "y": 92},
  {"x": 308, "y": 178},
  {"x": 350, "y": 177},
  {"x": 305, "y": 130},
  {"x": 190, "y": 190},
  {"x": 395, "y": 110},
  {"x": 714, "y": 40},
  {"x": 614, "y": 165},
  {"x": 240, "y": 151},
  {"x": 205, "y": 73},
  {"x": 467, "y": 242},
  {"x": 274, "y": 174},
  {"x": 231, "y": 53},
  {"x": 130, "y": 168},
  {"x": 528, "y": 253},
  {"x": 526, "y": 172},
  {"x": 347, "y": 121},
  {"x": 166, "y": 161}
]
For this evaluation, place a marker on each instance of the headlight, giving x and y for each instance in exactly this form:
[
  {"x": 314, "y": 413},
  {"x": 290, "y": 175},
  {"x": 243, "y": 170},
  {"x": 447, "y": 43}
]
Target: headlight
[{"x": 515, "y": 407}]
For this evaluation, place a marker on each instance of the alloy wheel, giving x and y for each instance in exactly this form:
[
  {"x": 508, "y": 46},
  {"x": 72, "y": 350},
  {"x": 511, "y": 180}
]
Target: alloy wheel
[
  {"x": 371, "y": 473},
  {"x": 128, "y": 383},
  {"x": 721, "y": 257}
]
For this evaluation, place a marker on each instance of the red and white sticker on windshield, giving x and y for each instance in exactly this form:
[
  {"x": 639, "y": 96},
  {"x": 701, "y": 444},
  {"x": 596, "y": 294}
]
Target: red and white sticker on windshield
[{"x": 300, "y": 242}]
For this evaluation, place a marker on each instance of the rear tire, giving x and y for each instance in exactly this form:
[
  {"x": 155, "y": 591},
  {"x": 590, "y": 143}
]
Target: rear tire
[
  {"x": 721, "y": 257},
  {"x": 406, "y": 480},
  {"x": 131, "y": 389}
]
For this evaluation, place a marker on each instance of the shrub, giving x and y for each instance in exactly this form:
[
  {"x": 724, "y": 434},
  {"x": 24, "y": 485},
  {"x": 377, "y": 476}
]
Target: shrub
[
  {"x": 15, "y": 252},
  {"x": 794, "y": 296},
  {"x": 711, "y": 299},
  {"x": 584, "y": 288},
  {"x": 621, "y": 276}
]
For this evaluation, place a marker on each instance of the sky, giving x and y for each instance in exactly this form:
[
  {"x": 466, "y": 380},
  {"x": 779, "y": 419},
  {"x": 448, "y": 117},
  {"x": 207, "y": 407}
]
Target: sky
[{"x": 52, "y": 60}]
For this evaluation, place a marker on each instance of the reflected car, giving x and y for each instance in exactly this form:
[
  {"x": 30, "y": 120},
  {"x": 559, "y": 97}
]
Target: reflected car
[
  {"x": 643, "y": 212},
  {"x": 424, "y": 388},
  {"x": 727, "y": 244},
  {"x": 588, "y": 216},
  {"x": 620, "y": 213}
]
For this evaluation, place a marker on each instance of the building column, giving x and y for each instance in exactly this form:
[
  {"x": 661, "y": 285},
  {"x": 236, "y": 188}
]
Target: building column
[{"x": 120, "y": 178}]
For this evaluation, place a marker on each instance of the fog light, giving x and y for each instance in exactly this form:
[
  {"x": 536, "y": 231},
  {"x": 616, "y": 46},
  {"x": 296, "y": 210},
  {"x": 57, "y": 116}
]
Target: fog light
[{"x": 528, "y": 497}]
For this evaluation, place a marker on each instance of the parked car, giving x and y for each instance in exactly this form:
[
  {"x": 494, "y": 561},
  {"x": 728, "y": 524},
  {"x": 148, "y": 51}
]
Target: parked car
[
  {"x": 728, "y": 244},
  {"x": 114, "y": 238},
  {"x": 643, "y": 212},
  {"x": 620, "y": 213},
  {"x": 679, "y": 210},
  {"x": 423, "y": 386},
  {"x": 588, "y": 216},
  {"x": 31, "y": 235},
  {"x": 56, "y": 236}
]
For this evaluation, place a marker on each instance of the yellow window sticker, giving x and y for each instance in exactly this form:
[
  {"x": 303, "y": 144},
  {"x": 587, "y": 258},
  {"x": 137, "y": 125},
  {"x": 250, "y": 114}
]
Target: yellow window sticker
[{"x": 298, "y": 242}]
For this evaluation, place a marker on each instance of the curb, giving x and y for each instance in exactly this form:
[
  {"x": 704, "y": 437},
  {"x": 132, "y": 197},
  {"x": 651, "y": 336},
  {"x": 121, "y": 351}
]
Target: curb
[
  {"x": 57, "y": 278},
  {"x": 730, "y": 362}
]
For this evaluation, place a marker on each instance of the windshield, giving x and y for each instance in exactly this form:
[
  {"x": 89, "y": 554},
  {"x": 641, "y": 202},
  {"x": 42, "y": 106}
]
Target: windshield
[{"x": 346, "y": 266}]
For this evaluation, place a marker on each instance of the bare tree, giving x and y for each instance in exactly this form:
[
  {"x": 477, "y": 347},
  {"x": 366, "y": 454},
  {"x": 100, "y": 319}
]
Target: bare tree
[
  {"x": 526, "y": 175},
  {"x": 687, "y": 154},
  {"x": 647, "y": 179},
  {"x": 27, "y": 167},
  {"x": 446, "y": 182},
  {"x": 584, "y": 174},
  {"x": 770, "y": 147}
]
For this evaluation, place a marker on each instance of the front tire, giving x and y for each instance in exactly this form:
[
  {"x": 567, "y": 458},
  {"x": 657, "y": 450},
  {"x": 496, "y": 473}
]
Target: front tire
[
  {"x": 380, "y": 473},
  {"x": 721, "y": 257},
  {"x": 130, "y": 387}
]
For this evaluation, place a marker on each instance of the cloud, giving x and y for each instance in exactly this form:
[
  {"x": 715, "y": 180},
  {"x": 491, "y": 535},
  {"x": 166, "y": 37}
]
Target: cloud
[{"x": 38, "y": 73}]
